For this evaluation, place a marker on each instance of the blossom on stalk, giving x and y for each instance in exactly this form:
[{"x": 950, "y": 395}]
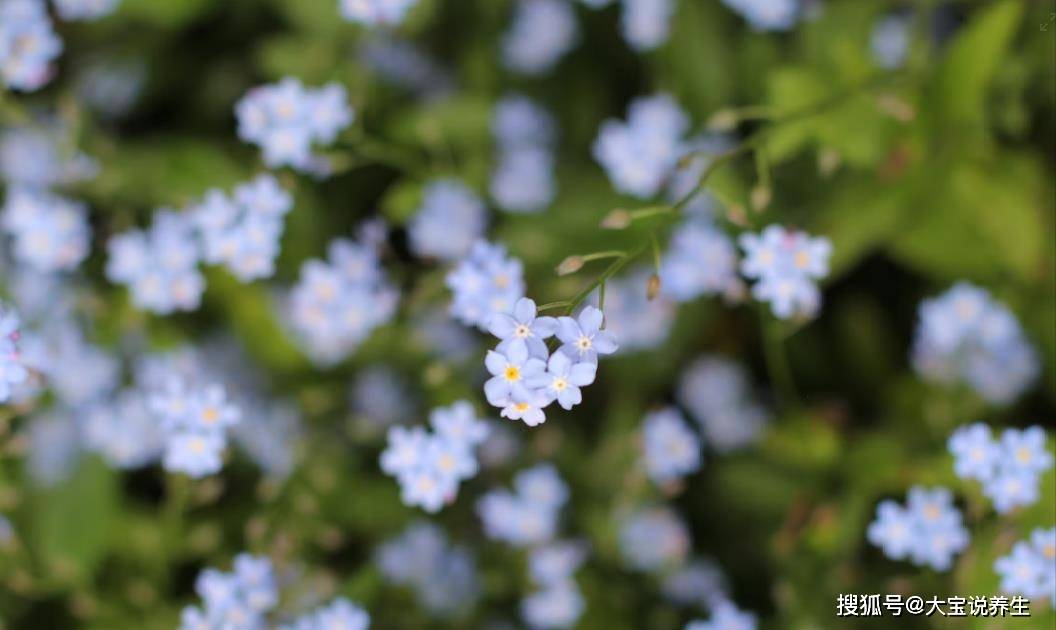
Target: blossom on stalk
[{"x": 786, "y": 264}]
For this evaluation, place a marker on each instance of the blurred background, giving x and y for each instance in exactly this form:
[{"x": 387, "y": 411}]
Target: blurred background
[{"x": 917, "y": 137}]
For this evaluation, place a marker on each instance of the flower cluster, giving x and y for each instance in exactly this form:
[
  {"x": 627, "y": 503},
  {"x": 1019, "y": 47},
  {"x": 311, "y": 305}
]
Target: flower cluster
[
  {"x": 50, "y": 232},
  {"x": 42, "y": 155},
  {"x": 725, "y": 616},
  {"x": 74, "y": 10},
  {"x": 526, "y": 377},
  {"x": 966, "y": 335},
  {"x": 928, "y": 530},
  {"x": 786, "y": 265},
  {"x": 242, "y": 230},
  {"x": 12, "y": 372},
  {"x": 28, "y": 44},
  {"x": 541, "y": 33},
  {"x": 646, "y": 23},
  {"x": 671, "y": 448},
  {"x": 195, "y": 420},
  {"x": 160, "y": 265},
  {"x": 768, "y": 15},
  {"x": 380, "y": 397},
  {"x": 484, "y": 283},
  {"x": 430, "y": 465},
  {"x": 716, "y": 392},
  {"x": 529, "y": 515},
  {"x": 640, "y": 154},
  {"x": 240, "y": 599},
  {"x": 701, "y": 260},
  {"x": 376, "y": 12},
  {"x": 1010, "y": 469},
  {"x": 443, "y": 576},
  {"x": 285, "y": 119},
  {"x": 557, "y": 603},
  {"x": 337, "y": 303},
  {"x": 523, "y": 181},
  {"x": 654, "y": 538},
  {"x": 1030, "y": 569},
  {"x": 449, "y": 221},
  {"x": 340, "y": 614}
]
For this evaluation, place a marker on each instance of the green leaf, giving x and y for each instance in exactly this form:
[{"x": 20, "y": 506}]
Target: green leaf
[
  {"x": 71, "y": 522},
  {"x": 961, "y": 83}
]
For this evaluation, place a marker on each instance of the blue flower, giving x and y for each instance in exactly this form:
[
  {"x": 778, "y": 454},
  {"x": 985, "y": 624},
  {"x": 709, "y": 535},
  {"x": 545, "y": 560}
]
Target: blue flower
[
  {"x": 928, "y": 531},
  {"x": 717, "y": 394},
  {"x": 430, "y": 466},
  {"x": 1025, "y": 450},
  {"x": 563, "y": 378},
  {"x": 767, "y": 15},
  {"x": 639, "y": 155},
  {"x": 486, "y": 282},
  {"x": 518, "y": 121},
  {"x": 84, "y": 9},
  {"x": 671, "y": 448},
  {"x": 195, "y": 453},
  {"x": 541, "y": 33},
  {"x": 444, "y": 576},
  {"x": 631, "y": 317},
  {"x": 50, "y": 232},
  {"x": 376, "y": 12},
  {"x": 381, "y": 398},
  {"x": 556, "y": 562},
  {"x": 889, "y": 41},
  {"x": 1030, "y": 568},
  {"x": 339, "y": 614},
  {"x": 528, "y": 517},
  {"x": 698, "y": 582},
  {"x": 123, "y": 431},
  {"x": 195, "y": 419},
  {"x": 523, "y": 181},
  {"x": 511, "y": 368},
  {"x": 42, "y": 155},
  {"x": 28, "y": 45},
  {"x": 239, "y": 599},
  {"x": 976, "y": 454},
  {"x": 654, "y": 538},
  {"x": 786, "y": 265},
  {"x": 701, "y": 260},
  {"x": 337, "y": 304},
  {"x": 285, "y": 119},
  {"x": 965, "y": 335},
  {"x": 523, "y": 327},
  {"x": 557, "y": 605},
  {"x": 583, "y": 337},
  {"x": 449, "y": 221},
  {"x": 646, "y": 23}
]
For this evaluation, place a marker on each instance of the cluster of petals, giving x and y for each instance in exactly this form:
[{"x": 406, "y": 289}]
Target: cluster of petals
[
  {"x": 786, "y": 265},
  {"x": 928, "y": 530},
  {"x": 195, "y": 420},
  {"x": 430, "y": 465},
  {"x": 526, "y": 377},
  {"x": 1010, "y": 468},
  {"x": 486, "y": 282},
  {"x": 527, "y": 516}
]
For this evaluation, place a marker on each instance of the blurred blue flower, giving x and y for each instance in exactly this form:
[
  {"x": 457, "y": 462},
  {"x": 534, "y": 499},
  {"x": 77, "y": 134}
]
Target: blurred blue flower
[
  {"x": 339, "y": 614},
  {"x": 124, "y": 431},
  {"x": 671, "y": 449},
  {"x": 523, "y": 180},
  {"x": 239, "y": 599},
  {"x": 541, "y": 33},
  {"x": 42, "y": 155},
  {"x": 12, "y": 371},
  {"x": 444, "y": 576},
  {"x": 557, "y": 605},
  {"x": 285, "y": 119},
  {"x": 646, "y": 23},
  {"x": 786, "y": 264},
  {"x": 1030, "y": 568},
  {"x": 654, "y": 538},
  {"x": 717, "y": 394},
  {"x": 528, "y": 516},
  {"x": 50, "y": 232},
  {"x": 699, "y": 582},
  {"x": 640, "y": 154},
  {"x": 73, "y": 10},
  {"x": 725, "y": 616},
  {"x": 484, "y": 283},
  {"x": 928, "y": 530},
  {"x": 1010, "y": 469},
  {"x": 28, "y": 44},
  {"x": 376, "y": 12},
  {"x": 631, "y": 318},
  {"x": 767, "y": 15},
  {"x": 337, "y": 304},
  {"x": 701, "y": 260},
  {"x": 889, "y": 40},
  {"x": 518, "y": 121},
  {"x": 964, "y": 335},
  {"x": 450, "y": 219}
]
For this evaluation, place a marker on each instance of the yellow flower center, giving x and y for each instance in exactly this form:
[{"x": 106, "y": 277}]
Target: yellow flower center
[
  {"x": 802, "y": 260},
  {"x": 560, "y": 384},
  {"x": 522, "y": 331},
  {"x": 210, "y": 415},
  {"x": 513, "y": 373},
  {"x": 583, "y": 343}
]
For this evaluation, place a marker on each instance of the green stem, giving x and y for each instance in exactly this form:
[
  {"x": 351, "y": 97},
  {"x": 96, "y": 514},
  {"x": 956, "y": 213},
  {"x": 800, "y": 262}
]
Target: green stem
[
  {"x": 549, "y": 306},
  {"x": 777, "y": 364}
]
